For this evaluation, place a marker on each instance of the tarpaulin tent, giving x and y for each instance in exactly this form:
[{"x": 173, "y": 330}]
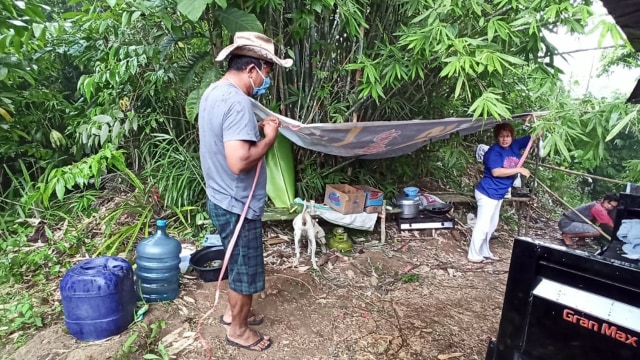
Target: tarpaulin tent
[{"x": 377, "y": 139}]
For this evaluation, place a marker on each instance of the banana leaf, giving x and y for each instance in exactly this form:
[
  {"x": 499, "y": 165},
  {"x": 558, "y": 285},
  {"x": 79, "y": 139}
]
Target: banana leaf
[{"x": 281, "y": 176}]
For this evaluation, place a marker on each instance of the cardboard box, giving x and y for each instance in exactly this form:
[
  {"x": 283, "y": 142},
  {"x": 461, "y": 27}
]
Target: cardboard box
[
  {"x": 344, "y": 199},
  {"x": 373, "y": 196},
  {"x": 373, "y": 209}
]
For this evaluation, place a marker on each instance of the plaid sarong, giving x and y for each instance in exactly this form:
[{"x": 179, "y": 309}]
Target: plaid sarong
[{"x": 246, "y": 264}]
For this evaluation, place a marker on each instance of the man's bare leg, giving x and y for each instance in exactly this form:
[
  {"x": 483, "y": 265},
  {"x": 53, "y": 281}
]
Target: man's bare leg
[
  {"x": 253, "y": 317},
  {"x": 239, "y": 332},
  {"x": 227, "y": 317}
]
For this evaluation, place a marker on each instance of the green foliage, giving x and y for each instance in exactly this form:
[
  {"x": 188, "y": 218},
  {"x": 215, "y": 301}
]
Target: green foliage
[
  {"x": 79, "y": 174},
  {"x": 144, "y": 341},
  {"x": 623, "y": 57},
  {"x": 173, "y": 166},
  {"x": 596, "y": 136},
  {"x": 19, "y": 315},
  {"x": 280, "y": 173},
  {"x": 410, "y": 278},
  {"x": 28, "y": 270}
]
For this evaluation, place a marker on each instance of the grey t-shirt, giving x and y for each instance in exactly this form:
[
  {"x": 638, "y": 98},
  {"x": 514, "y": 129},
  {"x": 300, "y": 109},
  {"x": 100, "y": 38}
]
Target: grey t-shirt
[{"x": 226, "y": 114}]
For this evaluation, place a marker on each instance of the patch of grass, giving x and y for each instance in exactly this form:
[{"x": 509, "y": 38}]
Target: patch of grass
[
  {"x": 144, "y": 341},
  {"x": 30, "y": 274},
  {"x": 410, "y": 278}
]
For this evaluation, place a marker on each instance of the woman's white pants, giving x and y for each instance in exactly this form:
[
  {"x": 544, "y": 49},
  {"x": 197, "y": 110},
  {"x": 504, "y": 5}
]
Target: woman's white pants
[{"x": 486, "y": 223}]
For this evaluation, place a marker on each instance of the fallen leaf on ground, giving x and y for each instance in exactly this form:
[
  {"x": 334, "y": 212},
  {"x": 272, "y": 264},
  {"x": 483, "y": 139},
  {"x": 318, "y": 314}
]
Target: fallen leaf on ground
[
  {"x": 451, "y": 272},
  {"x": 350, "y": 274},
  {"x": 449, "y": 356},
  {"x": 275, "y": 241}
]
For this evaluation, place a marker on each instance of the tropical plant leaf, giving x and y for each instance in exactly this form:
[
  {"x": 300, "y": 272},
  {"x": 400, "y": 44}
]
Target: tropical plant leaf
[
  {"x": 5, "y": 114},
  {"x": 192, "y": 9},
  {"x": 624, "y": 122},
  {"x": 281, "y": 173},
  {"x": 192, "y": 104},
  {"x": 187, "y": 70},
  {"x": 167, "y": 44},
  {"x": 235, "y": 20}
]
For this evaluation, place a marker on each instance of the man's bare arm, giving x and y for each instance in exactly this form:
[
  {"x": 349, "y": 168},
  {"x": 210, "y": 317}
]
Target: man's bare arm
[{"x": 243, "y": 155}]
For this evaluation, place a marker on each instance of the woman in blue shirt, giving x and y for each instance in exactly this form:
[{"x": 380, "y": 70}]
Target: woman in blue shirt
[{"x": 500, "y": 170}]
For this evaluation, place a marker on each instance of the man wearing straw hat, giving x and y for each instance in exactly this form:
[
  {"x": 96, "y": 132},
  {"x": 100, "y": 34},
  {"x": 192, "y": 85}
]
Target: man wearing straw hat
[{"x": 231, "y": 150}]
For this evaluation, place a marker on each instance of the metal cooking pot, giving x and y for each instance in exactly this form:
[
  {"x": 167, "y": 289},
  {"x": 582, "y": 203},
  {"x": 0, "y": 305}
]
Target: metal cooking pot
[
  {"x": 409, "y": 206},
  {"x": 438, "y": 208}
]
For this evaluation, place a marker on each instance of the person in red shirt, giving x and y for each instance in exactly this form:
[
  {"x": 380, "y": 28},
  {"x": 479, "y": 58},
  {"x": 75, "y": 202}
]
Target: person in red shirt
[{"x": 573, "y": 225}]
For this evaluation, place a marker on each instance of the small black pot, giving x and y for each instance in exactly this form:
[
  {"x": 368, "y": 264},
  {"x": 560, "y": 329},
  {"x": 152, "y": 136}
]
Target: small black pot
[
  {"x": 520, "y": 192},
  {"x": 201, "y": 257},
  {"x": 438, "y": 209}
]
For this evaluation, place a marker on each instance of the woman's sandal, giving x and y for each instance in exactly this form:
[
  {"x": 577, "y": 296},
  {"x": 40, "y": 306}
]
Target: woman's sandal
[{"x": 480, "y": 261}]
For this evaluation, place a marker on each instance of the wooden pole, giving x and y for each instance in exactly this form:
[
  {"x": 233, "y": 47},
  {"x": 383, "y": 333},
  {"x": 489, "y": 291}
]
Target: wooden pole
[
  {"x": 574, "y": 210},
  {"x": 580, "y": 174}
]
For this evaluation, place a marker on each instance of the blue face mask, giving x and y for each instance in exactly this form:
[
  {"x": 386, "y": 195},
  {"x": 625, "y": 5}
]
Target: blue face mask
[{"x": 257, "y": 91}]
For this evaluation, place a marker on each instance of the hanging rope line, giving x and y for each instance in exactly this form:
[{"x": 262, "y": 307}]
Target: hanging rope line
[{"x": 582, "y": 174}]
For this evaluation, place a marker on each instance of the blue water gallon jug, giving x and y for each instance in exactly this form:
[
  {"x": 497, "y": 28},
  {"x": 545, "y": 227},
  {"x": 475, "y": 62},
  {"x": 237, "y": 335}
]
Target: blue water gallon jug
[
  {"x": 98, "y": 298},
  {"x": 158, "y": 266}
]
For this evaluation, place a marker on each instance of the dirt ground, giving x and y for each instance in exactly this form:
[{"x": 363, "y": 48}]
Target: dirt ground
[{"x": 415, "y": 297}]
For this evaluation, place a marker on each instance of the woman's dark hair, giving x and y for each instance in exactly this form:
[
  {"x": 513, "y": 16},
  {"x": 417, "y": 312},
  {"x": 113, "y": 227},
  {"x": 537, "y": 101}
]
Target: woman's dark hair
[
  {"x": 611, "y": 197},
  {"x": 242, "y": 62},
  {"x": 503, "y": 127}
]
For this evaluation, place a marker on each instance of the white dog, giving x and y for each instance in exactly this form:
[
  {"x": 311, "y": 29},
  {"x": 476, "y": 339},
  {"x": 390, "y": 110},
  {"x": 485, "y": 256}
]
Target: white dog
[{"x": 304, "y": 224}]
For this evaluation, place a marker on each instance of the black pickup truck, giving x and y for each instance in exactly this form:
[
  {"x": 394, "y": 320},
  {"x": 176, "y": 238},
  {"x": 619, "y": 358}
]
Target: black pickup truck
[{"x": 563, "y": 304}]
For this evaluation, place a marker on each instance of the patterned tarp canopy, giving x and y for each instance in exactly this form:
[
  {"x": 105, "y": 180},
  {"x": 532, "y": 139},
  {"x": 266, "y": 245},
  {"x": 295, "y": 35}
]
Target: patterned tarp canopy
[{"x": 377, "y": 139}]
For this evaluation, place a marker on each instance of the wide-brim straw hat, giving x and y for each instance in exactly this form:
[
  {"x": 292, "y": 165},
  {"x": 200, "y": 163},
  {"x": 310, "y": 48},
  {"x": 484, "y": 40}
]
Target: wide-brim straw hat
[{"x": 253, "y": 44}]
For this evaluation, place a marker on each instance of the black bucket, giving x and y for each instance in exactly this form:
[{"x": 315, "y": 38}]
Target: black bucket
[{"x": 208, "y": 263}]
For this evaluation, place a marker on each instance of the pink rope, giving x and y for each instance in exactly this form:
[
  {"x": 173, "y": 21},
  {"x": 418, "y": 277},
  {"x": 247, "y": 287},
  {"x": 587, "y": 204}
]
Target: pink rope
[
  {"x": 227, "y": 255},
  {"x": 526, "y": 150}
]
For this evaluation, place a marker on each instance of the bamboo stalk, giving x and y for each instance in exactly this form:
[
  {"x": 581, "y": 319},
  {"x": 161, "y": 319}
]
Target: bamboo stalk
[
  {"x": 339, "y": 166},
  {"x": 581, "y": 174},
  {"x": 354, "y": 117},
  {"x": 571, "y": 208},
  {"x": 212, "y": 46}
]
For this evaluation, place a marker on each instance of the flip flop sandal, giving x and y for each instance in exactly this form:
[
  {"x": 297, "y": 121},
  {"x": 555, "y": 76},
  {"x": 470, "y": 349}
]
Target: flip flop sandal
[
  {"x": 570, "y": 245},
  {"x": 255, "y": 322},
  {"x": 250, "y": 347}
]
